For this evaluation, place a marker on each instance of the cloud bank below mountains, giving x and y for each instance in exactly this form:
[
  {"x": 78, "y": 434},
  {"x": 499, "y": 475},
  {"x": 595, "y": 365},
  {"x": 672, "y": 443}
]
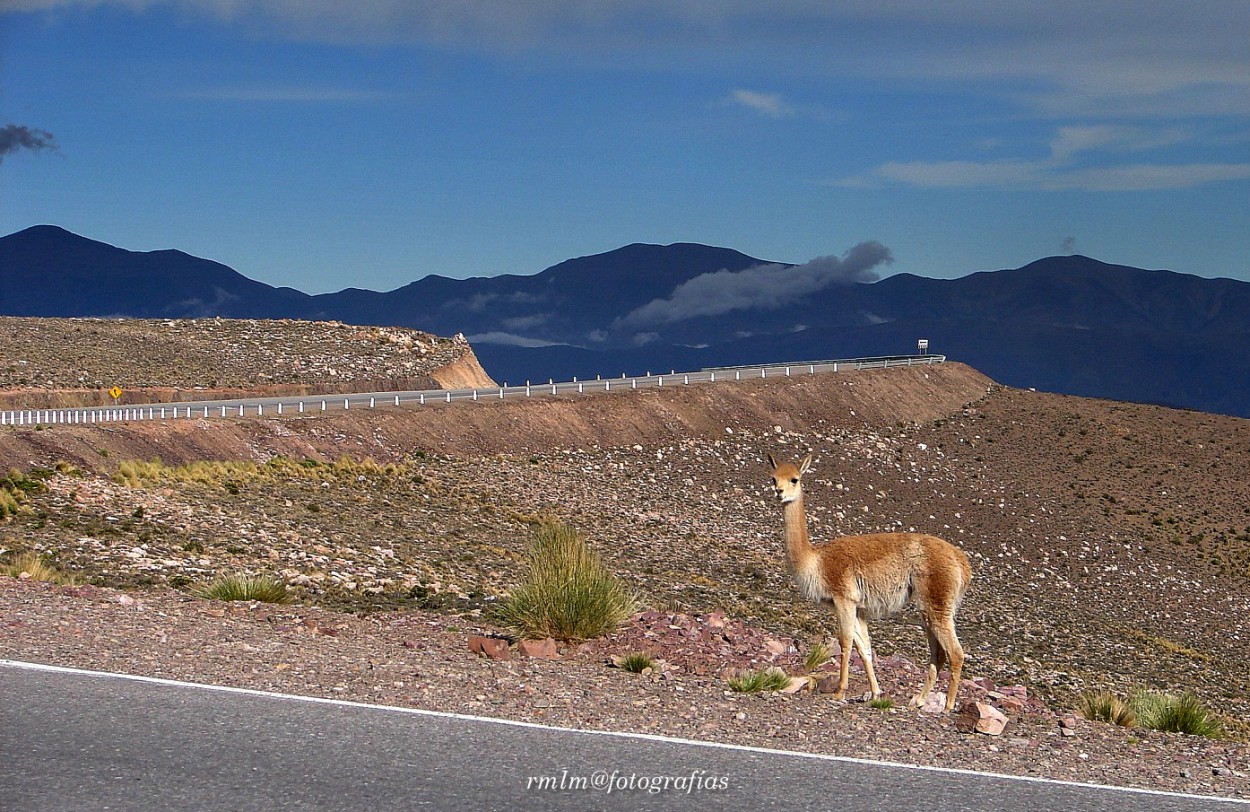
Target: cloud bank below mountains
[{"x": 765, "y": 287}]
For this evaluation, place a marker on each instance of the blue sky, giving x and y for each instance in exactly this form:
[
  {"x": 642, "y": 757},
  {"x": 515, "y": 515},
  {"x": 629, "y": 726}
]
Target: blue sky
[{"x": 322, "y": 144}]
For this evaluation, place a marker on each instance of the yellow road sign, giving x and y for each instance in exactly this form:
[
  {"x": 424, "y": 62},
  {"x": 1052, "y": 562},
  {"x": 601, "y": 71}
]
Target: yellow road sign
[{"x": 116, "y": 392}]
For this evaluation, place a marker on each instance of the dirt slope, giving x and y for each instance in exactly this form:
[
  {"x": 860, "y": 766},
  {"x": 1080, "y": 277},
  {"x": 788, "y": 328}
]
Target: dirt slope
[{"x": 542, "y": 423}]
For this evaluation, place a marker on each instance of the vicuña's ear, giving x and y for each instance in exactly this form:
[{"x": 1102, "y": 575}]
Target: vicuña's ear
[
  {"x": 772, "y": 461},
  {"x": 803, "y": 466}
]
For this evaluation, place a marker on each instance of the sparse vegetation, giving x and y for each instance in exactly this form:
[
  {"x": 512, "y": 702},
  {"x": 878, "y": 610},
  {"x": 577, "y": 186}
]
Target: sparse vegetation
[
  {"x": 635, "y": 662},
  {"x": 817, "y": 655},
  {"x": 36, "y": 568},
  {"x": 1104, "y": 706},
  {"x": 232, "y": 474},
  {"x": 1153, "y": 710},
  {"x": 881, "y": 703},
  {"x": 263, "y": 588},
  {"x": 567, "y": 593},
  {"x": 1175, "y": 713},
  {"x": 767, "y": 679}
]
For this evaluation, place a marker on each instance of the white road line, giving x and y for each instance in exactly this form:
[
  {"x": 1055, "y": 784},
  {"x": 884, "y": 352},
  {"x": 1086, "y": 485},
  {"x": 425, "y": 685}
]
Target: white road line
[{"x": 611, "y": 733}]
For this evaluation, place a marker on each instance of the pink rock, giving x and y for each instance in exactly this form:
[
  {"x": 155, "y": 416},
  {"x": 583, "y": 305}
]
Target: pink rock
[
  {"x": 935, "y": 702},
  {"x": 980, "y": 717},
  {"x": 494, "y": 648},
  {"x": 539, "y": 649}
]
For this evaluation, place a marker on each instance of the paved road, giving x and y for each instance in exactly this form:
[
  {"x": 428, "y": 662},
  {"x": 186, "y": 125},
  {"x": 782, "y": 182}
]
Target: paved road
[
  {"x": 251, "y": 407},
  {"x": 73, "y": 740}
]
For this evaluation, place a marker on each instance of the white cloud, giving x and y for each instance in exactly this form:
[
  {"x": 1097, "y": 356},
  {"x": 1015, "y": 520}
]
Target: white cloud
[
  {"x": 292, "y": 94},
  {"x": 511, "y": 339},
  {"x": 766, "y": 104},
  {"x": 763, "y": 286},
  {"x": 1064, "y": 58},
  {"x": 1077, "y": 161}
]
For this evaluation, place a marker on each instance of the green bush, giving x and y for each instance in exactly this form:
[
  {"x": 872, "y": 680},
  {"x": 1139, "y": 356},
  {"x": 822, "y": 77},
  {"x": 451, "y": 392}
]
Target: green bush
[
  {"x": 636, "y": 662},
  {"x": 1175, "y": 713},
  {"x": 567, "y": 593},
  {"x": 751, "y": 682},
  {"x": 263, "y": 588}
]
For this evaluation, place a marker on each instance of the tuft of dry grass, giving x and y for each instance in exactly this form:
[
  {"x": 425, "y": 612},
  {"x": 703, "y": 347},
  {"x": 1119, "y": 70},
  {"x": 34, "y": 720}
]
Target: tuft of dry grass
[
  {"x": 1104, "y": 706},
  {"x": 567, "y": 593},
  {"x": 767, "y": 679},
  {"x": 35, "y": 568},
  {"x": 262, "y": 588}
]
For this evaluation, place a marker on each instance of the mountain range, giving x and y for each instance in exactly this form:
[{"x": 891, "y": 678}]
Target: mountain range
[{"x": 1067, "y": 324}]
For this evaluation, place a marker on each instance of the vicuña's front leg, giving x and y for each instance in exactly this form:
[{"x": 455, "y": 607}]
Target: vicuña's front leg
[
  {"x": 848, "y": 633},
  {"x": 864, "y": 641}
]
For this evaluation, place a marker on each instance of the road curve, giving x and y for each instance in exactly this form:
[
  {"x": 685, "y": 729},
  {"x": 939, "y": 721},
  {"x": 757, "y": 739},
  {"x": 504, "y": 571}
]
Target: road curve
[{"x": 314, "y": 404}]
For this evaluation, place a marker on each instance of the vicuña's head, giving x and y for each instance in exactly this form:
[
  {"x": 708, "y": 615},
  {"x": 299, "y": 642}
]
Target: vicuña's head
[{"x": 788, "y": 478}]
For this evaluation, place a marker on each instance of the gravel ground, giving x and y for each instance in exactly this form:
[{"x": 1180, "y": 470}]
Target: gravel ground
[
  {"x": 1111, "y": 545},
  {"x": 65, "y": 362}
]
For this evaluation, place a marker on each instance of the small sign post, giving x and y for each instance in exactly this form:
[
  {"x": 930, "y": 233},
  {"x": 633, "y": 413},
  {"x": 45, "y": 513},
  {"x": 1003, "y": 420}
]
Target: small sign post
[
  {"x": 923, "y": 346},
  {"x": 115, "y": 392}
]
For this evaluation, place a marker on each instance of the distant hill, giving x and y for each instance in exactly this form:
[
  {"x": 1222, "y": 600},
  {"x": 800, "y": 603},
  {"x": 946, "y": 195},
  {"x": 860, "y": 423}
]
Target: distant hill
[{"x": 1066, "y": 324}]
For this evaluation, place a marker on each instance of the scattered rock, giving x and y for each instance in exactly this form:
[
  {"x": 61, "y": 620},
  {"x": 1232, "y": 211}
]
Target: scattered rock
[
  {"x": 494, "y": 648},
  {"x": 539, "y": 649},
  {"x": 980, "y": 717}
]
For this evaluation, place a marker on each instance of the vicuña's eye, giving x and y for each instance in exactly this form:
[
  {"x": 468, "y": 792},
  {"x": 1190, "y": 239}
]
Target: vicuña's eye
[{"x": 794, "y": 481}]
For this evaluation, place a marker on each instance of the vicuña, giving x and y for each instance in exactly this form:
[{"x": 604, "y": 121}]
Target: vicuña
[{"x": 875, "y": 576}]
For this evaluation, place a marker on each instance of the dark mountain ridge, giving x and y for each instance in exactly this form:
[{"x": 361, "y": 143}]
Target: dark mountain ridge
[{"x": 1068, "y": 324}]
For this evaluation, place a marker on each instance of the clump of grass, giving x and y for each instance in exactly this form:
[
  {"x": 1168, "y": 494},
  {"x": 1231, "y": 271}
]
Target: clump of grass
[
  {"x": 817, "y": 655},
  {"x": 1153, "y": 710},
  {"x": 35, "y": 568},
  {"x": 635, "y": 662},
  {"x": 752, "y": 682},
  {"x": 1175, "y": 713},
  {"x": 1104, "y": 706},
  {"x": 262, "y": 588},
  {"x": 567, "y": 593},
  {"x": 881, "y": 703},
  {"x": 14, "y": 488}
]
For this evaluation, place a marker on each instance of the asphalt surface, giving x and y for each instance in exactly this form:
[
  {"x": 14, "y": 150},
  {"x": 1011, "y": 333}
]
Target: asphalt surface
[
  {"x": 72, "y": 740},
  {"x": 315, "y": 404}
]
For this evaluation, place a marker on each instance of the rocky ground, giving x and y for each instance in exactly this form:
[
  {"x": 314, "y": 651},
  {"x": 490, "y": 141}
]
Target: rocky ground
[
  {"x": 70, "y": 362},
  {"x": 1111, "y": 545}
]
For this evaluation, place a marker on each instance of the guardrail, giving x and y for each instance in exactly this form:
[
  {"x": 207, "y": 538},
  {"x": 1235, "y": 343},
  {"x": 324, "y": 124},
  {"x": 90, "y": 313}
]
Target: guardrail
[{"x": 262, "y": 407}]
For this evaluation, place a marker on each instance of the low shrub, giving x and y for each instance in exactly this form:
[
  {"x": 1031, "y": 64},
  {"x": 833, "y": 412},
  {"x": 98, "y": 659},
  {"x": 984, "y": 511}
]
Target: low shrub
[
  {"x": 768, "y": 679},
  {"x": 262, "y": 588},
  {"x": 36, "y": 568},
  {"x": 1104, "y": 706},
  {"x": 567, "y": 593},
  {"x": 1175, "y": 713}
]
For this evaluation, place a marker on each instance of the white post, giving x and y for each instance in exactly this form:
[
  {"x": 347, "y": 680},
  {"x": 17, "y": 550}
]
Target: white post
[{"x": 371, "y": 403}]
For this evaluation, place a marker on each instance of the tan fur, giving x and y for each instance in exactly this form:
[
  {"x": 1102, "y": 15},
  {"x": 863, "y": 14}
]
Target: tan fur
[{"x": 876, "y": 576}]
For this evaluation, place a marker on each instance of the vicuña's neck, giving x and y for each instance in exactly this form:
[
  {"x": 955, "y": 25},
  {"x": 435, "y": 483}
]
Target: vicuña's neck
[{"x": 798, "y": 543}]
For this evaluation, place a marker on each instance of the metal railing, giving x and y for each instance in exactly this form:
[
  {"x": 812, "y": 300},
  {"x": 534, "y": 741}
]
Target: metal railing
[{"x": 286, "y": 406}]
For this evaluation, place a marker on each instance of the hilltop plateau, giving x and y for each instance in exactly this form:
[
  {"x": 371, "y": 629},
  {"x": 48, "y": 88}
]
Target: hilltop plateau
[
  {"x": 1110, "y": 541},
  {"x": 51, "y": 363}
]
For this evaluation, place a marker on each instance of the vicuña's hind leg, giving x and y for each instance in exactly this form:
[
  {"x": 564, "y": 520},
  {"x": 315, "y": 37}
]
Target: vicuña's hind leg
[
  {"x": 945, "y": 633},
  {"x": 864, "y": 641},
  {"x": 937, "y": 661}
]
